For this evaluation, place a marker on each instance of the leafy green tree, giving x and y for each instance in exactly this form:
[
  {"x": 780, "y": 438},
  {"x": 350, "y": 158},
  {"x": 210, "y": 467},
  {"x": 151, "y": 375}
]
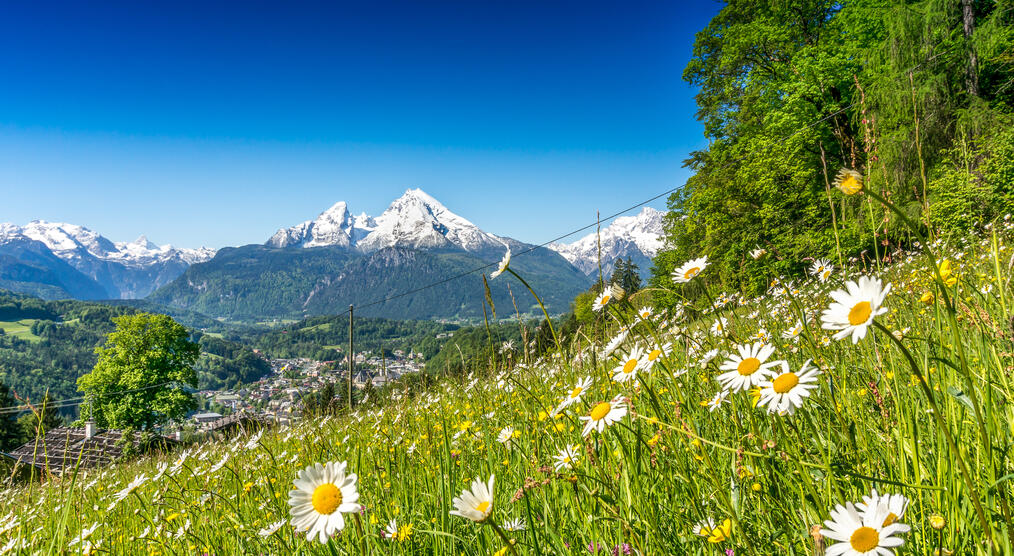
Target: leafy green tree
[
  {"x": 10, "y": 432},
  {"x": 907, "y": 93},
  {"x": 142, "y": 374}
]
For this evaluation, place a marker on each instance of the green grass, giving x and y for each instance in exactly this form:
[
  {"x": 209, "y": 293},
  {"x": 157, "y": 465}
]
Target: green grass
[
  {"x": 20, "y": 329},
  {"x": 668, "y": 464}
]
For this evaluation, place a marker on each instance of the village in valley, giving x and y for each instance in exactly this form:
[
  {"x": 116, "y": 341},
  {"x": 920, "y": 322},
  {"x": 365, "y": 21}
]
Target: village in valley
[{"x": 278, "y": 396}]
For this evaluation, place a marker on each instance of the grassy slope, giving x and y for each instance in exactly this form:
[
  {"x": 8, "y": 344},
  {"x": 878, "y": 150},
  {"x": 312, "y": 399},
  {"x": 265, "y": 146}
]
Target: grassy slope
[
  {"x": 668, "y": 464},
  {"x": 20, "y": 329}
]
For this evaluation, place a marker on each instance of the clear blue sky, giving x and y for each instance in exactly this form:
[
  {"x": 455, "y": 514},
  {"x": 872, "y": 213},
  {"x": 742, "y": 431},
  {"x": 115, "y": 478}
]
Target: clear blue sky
[{"x": 207, "y": 123}]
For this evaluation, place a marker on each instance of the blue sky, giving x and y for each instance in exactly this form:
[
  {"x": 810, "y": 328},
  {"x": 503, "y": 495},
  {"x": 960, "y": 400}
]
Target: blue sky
[{"x": 215, "y": 124}]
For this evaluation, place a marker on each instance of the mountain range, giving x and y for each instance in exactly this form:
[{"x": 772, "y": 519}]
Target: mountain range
[
  {"x": 637, "y": 237},
  {"x": 323, "y": 265},
  {"x": 58, "y": 260}
]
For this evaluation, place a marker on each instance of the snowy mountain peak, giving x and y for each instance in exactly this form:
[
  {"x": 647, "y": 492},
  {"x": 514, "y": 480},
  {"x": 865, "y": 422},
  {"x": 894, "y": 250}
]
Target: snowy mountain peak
[
  {"x": 638, "y": 237},
  {"x": 415, "y": 220},
  {"x": 123, "y": 269}
]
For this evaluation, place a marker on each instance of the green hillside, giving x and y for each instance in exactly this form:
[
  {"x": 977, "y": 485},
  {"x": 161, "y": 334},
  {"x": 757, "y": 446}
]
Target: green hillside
[
  {"x": 254, "y": 282},
  {"x": 47, "y": 345}
]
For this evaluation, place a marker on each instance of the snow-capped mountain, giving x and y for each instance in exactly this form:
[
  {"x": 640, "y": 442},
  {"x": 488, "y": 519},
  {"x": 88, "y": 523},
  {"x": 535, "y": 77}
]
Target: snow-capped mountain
[
  {"x": 124, "y": 270},
  {"x": 638, "y": 237},
  {"x": 414, "y": 220}
]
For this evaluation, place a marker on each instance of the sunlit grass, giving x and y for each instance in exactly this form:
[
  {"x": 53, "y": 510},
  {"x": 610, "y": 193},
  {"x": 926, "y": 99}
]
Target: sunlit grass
[{"x": 647, "y": 483}]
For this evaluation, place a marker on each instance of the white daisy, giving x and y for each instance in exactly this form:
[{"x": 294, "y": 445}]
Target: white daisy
[
  {"x": 654, "y": 356},
  {"x": 566, "y": 458},
  {"x": 506, "y": 434},
  {"x": 896, "y": 505},
  {"x": 862, "y": 533},
  {"x": 748, "y": 368},
  {"x": 603, "y": 299},
  {"x": 575, "y": 395},
  {"x": 717, "y": 401},
  {"x": 794, "y": 332},
  {"x": 131, "y": 487},
  {"x": 514, "y": 524},
  {"x": 758, "y": 253},
  {"x": 785, "y": 392},
  {"x": 819, "y": 267},
  {"x": 689, "y": 270},
  {"x": 603, "y": 414},
  {"x": 707, "y": 356},
  {"x": 853, "y": 309},
  {"x": 644, "y": 313},
  {"x": 504, "y": 263},
  {"x": 271, "y": 528},
  {"x": 322, "y": 493},
  {"x": 718, "y": 328},
  {"x": 629, "y": 365},
  {"x": 475, "y": 504}
]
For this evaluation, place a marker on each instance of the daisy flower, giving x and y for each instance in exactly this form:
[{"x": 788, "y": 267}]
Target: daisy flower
[
  {"x": 504, "y": 263},
  {"x": 707, "y": 356},
  {"x": 717, "y": 401},
  {"x": 718, "y": 328},
  {"x": 271, "y": 528},
  {"x": 758, "y": 253},
  {"x": 896, "y": 505},
  {"x": 689, "y": 270},
  {"x": 655, "y": 355},
  {"x": 794, "y": 332},
  {"x": 853, "y": 310},
  {"x": 615, "y": 342},
  {"x": 396, "y": 533},
  {"x": 644, "y": 313},
  {"x": 629, "y": 365},
  {"x": 514, "y": 524},
  {"x": 785, "y": 392},
  {"x": 862, "y": 533},
  {"x": 603, "y": 414},
  {"x": 322, "y": 493},
  {"x": 747, "y": 368},
  {"x": 575, "y": 395},
  {"x": 506, "y": 434},
  {"x": 131, "y": 487},
  {"x": 819, "y": 266},
  {"x": 849, "y": 182},
  {"x": 603, "y": 299},
  {"x": 475, "y": 504},
  {"x": 566, "y": 458}
]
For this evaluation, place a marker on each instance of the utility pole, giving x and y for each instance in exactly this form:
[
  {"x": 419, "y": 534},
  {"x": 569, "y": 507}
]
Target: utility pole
[{"x": 351, "y": 358}]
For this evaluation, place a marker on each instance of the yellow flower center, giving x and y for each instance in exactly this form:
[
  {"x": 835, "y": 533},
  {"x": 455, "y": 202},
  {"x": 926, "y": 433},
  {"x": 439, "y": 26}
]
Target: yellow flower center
[
  {"x": 629, "y": 366},
  {"x": 691, "y": 273},
  {"x": 850, "y": 185},
  {"x": 860, "y": 313},
  {"x": 865, "y": 539},
  {"x": 600, "y": 411},
  {"x": 654, "y": 354},
  {"x": 326, "y": 499},
  {"x": 576, "y": 392},
  {"x": 890, "y": 519},
  {"x": 785, "y": 382},
  {"x": 605, "y": 299},
  {"x": 748, "y": 366},
  {"x": 482, "y": 507}
]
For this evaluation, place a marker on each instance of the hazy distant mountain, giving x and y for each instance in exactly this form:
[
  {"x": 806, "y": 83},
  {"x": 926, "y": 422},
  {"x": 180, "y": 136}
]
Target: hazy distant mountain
[
  {"x": 321, "y": 266},
  {"x": 93, "y": 267},
  {"x": 638, "y": 237}
]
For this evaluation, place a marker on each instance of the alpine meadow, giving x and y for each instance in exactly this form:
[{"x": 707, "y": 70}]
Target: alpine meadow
[{"x": 810, "y": 352}]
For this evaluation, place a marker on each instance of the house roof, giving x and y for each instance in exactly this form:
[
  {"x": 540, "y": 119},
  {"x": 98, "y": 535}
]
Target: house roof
[
  {"x": 233, "y": 420},
  {"x": 67, "y": 447}
]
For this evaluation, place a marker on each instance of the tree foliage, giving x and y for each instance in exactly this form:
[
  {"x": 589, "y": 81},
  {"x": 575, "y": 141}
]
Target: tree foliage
[
  {"x": 790, "y": 92},
  {"x": 142, "y": 374}
]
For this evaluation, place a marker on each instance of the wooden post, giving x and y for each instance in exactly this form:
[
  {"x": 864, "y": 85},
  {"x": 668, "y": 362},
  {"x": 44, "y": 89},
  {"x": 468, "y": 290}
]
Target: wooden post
[{"x": 351, "y": 358}]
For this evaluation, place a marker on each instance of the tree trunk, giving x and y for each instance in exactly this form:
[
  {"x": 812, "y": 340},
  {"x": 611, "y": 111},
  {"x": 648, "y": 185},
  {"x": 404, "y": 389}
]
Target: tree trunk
[{"x": 972, "y": 73}]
